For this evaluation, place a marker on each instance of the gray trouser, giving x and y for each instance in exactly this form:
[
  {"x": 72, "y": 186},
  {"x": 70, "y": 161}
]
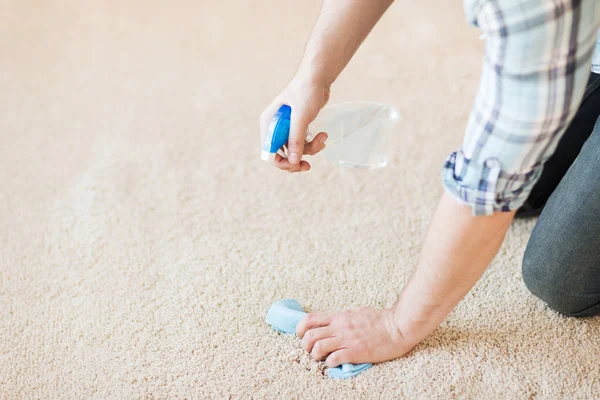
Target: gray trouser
[{"x": 562, "y": 261}]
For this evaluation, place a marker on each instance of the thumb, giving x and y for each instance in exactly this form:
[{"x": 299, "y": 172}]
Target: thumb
[{"x": 298, "y": 125}]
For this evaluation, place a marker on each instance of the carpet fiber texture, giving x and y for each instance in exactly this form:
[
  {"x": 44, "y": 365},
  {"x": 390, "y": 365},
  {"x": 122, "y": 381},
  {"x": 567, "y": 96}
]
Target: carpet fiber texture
[{"x": 142, "y": 240}]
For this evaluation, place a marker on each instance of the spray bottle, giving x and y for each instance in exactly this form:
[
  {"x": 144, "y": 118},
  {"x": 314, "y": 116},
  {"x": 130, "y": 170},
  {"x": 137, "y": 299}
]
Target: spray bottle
[{"x": 358, "y": 133}]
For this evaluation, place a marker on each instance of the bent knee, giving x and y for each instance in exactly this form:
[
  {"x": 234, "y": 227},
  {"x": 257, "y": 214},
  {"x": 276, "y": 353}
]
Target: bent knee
[
  {"x": 564, "y": 303},
  {"x": 542, "y": 281}
]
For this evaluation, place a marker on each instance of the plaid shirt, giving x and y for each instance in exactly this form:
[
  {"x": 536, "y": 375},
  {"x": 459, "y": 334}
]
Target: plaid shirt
[{"x": 537, "y": 62}]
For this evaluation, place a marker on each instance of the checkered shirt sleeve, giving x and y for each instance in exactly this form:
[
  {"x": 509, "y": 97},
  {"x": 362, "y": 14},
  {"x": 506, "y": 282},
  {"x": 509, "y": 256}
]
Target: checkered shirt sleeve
[{"x": 537, "y": 61}]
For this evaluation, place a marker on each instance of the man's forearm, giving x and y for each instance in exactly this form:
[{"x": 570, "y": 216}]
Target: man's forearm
[
  {"x": 341, "y": 28},
  {"x": 456, "y": 252}
]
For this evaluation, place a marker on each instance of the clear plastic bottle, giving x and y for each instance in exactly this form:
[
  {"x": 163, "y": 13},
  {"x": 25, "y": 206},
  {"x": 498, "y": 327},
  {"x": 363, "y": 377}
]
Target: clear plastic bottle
[{"x": 359, "y": 133}]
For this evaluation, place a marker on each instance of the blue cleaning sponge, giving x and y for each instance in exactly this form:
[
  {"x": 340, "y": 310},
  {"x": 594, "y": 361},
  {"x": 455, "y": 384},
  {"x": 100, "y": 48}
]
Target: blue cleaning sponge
[{"x": 284, "y": 316}]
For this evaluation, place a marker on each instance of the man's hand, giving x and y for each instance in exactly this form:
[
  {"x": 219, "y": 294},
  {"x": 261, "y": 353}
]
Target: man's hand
[
  {"x": 306, "y": 98},
  {"x": 356, "y": 336},
  {"x": 457, "y": 249},
  {"x": 339, "y": 31}
]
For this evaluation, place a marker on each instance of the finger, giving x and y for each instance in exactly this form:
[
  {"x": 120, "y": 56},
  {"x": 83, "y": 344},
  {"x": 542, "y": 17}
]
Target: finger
[
  {"x": 284, "y": 164},
  {"x": 337, "y": 358},
  {"x": 311, "y": 321},
  {"x": 298, "y": 125},
  {"x": 304, "y": 166},
  {"x": 312, "y": 336},
  {"x": 315, "y": 145},
  {"x": 324, "y": 347}
]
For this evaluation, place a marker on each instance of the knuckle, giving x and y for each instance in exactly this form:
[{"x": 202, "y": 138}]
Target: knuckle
[
  {"x": 318, "y": 346},
  {"x": 309, "y": 336},
  {"x": 358, "y": 348},
  {"x": 342, "y": 316},
  {"x": 310, "y": 318},
  {"x": 333, "y": 360},
  {"x": 293, "y": 142},
  {"x": 317, "y": 350},
  {"x": 306, "y": 344},
  {"x": 346, "y": 322}
]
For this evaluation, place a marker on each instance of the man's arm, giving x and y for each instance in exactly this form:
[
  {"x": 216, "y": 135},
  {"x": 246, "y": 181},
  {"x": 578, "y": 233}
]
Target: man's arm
[
  {"x": 533, "y": 80},
  {"x": 456, "y": 252},
  {"x": 340, "y": 29}
]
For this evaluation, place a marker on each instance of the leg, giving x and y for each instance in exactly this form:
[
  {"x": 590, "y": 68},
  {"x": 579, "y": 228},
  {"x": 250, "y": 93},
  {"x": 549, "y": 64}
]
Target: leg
[
  {"x": 567, "y": 150},
  {"x": 562, "y": 261}
]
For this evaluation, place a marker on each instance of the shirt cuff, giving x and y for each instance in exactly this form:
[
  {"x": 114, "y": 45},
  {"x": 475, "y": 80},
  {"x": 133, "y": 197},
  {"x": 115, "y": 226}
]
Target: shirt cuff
[{"x": 485, "y": 187}]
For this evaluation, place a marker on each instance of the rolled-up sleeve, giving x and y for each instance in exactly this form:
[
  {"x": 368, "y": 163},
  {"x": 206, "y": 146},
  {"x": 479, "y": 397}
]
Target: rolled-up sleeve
[{"x": 538, "y": 58}]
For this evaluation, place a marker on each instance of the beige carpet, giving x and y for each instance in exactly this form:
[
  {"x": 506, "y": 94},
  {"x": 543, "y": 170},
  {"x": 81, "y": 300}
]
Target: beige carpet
[{"x": 142, "y": 240}]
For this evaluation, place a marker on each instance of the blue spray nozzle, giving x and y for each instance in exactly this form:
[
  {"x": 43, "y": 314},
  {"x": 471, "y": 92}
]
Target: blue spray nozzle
[{"x": 278, "y": 133}]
